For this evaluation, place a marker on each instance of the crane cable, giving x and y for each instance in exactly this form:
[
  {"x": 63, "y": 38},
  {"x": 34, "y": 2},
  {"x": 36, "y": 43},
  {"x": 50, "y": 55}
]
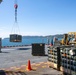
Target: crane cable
[
  {"x": 16, "y": 6},
  {"x": 15, "y": 23}
]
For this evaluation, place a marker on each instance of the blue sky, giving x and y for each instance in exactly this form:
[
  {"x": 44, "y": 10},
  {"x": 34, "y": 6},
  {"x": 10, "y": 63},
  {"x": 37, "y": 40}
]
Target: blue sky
[{"x": 38, "y": 17}]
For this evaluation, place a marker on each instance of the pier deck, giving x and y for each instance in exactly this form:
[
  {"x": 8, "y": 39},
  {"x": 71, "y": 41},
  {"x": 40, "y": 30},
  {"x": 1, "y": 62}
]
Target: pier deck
[{"x": 14, "y": 62}]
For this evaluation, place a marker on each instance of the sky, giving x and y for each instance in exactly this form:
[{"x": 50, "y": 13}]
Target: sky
[{"x": 37, "y": 17}]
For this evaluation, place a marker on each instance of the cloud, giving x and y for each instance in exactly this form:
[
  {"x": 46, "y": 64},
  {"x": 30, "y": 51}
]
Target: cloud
[{"x": 4, "y": 33}]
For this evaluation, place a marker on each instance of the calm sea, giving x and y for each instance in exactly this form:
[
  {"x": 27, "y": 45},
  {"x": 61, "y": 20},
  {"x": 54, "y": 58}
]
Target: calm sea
[{"x": 26, "y": 41}]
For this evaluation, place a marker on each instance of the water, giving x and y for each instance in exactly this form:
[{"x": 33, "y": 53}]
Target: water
[{"x": 25, "y": 41}]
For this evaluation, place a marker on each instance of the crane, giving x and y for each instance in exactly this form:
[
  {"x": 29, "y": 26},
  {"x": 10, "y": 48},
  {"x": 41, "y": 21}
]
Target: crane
[
  {"x": 15, "y": 6},
  {"x": 0, "y": 1},
  {"x": 15, "y": 37}
]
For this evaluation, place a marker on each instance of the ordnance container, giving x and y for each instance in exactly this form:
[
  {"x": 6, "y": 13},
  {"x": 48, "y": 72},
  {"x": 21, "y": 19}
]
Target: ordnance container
[
  {"x": 38, "y": 49},
  {"x": 15, "y": 38}
]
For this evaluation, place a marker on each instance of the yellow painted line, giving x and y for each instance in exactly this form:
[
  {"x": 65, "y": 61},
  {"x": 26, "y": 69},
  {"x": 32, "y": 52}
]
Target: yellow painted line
[
  {"x": 34, "y": 67},
  {"x": 41, "y": 62},
  {"x": 23, "y": 65},
  {"x": 17, "y": 68},
  {"x": 46, "y": 63},
  {"x": 12, "y": 68},
  {"x": 33, "y": 64},
  {"x": 22, "y": 70},
  {"x": 27, "y": 70},
  {"x": 37, "y": 64},
  {"x": 43, "y": 66}
]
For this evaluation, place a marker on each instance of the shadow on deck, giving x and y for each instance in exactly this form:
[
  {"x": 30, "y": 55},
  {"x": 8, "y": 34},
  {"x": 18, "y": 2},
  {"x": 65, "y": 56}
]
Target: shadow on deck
[
  {"x": 2, "y": 72},
  {"x": 23, "y": 48}
]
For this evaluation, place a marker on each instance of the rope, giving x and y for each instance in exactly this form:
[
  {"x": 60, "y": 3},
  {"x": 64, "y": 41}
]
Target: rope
[{"x": 15, "y": 28}]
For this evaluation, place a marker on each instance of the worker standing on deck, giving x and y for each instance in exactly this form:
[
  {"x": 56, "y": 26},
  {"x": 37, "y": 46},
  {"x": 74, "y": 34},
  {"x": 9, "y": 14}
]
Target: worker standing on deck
[
  {"x": 70, "y": 38},
  {"x": 74, "y": 39},
  {"x": 65, "y": 40},
  {"x": 53, "y": 41}
]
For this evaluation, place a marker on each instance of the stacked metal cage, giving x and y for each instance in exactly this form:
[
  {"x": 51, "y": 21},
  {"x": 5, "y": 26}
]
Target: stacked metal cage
[
  {"x": 62, "y": 59},
  {"x": 68, "y": 61},
  {"x": 54, "y": 57}
]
